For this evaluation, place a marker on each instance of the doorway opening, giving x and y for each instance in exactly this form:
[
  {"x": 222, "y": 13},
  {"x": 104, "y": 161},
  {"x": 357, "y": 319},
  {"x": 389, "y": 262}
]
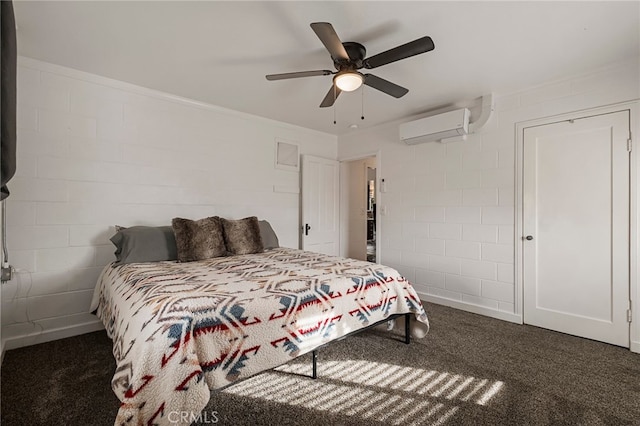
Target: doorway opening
[
  {"x": 358, "y": 209},
  {"x": 371, "y": 214}
]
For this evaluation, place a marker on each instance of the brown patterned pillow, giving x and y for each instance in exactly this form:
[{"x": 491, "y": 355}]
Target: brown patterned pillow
[
  {"x": 242, "y": 236},
  {"x": 198, "y": 239}
]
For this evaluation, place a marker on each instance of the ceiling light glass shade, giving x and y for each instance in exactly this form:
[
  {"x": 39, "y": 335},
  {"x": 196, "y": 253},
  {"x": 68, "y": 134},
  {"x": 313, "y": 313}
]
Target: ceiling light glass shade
[{"x": 348, "y": 81}]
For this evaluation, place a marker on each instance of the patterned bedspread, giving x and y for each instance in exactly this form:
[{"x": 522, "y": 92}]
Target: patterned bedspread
[{"x": 180, "y": 330}]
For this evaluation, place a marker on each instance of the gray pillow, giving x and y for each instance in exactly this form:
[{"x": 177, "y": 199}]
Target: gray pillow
[
  {"x": 242, "y": 236},
  {"x": 268, "y": 235},
  {"x": 198, "y": 239},
  {"x": 144, "y": 244}
]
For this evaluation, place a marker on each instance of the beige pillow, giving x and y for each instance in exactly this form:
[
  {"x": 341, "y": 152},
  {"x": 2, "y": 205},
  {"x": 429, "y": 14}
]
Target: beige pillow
[{"x": 198, "y": 239}]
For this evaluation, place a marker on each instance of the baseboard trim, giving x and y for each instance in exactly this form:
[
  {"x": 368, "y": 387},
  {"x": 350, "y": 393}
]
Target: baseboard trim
[
  {"x": 49, "y": 335},
  {"x": 635, "y": 347},
  {"x": 476, "y": 309}
]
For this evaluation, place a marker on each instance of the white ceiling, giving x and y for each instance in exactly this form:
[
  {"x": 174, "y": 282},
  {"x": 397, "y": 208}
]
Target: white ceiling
[{"x": 219, "y": 52}]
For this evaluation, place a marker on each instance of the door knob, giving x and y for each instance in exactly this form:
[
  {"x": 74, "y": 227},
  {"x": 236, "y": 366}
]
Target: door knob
[{"x": 529, "y": 237}]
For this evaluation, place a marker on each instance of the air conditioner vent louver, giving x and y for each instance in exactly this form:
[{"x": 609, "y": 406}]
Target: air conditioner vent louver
[{"x": 435, "y": 128}]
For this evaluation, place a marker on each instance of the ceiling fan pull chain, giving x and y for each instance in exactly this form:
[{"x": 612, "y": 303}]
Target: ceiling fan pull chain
[
  {"x": 334, "y": 103},
  {"x": 362, "y": 109}
]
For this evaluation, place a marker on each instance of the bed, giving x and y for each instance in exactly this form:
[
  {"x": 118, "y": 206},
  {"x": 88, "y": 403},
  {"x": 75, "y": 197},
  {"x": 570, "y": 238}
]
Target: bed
[{"x": 183, "y": 329}]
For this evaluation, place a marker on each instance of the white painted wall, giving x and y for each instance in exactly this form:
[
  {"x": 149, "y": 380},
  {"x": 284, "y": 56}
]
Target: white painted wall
[
  {"x": 93, "y": 153},
  {"x": 449, "y": 226}
]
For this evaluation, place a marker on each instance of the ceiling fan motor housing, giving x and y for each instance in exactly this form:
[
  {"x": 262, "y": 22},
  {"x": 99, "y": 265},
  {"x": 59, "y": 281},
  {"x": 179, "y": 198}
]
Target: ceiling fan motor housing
[{"x": 356, "y": 53}]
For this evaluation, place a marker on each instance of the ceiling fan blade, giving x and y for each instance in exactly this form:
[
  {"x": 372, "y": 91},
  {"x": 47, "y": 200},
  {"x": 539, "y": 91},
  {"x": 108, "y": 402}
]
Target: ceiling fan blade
[
  {"x": 331, "y": 96},
  {"x": 415, "y": 47},
  {"x": 286, "y": 75},
  {"x": 330, "y": 39},
  {"x": 385, "y": 86}
]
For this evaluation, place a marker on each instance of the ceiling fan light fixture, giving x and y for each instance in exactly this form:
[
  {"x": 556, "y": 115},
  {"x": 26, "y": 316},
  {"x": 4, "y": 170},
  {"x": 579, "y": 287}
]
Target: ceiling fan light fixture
[{"x": 348, "y": 81}]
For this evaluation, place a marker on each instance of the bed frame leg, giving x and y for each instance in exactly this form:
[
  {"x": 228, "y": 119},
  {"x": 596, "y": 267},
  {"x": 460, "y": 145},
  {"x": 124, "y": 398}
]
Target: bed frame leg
[
  {"x": 407, "y": 328},
  {"x": 314, "y": 357}
]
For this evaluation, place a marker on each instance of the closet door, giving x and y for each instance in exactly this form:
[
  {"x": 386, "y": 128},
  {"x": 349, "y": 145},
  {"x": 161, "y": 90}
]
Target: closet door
[{"x": 576, "y": 227}]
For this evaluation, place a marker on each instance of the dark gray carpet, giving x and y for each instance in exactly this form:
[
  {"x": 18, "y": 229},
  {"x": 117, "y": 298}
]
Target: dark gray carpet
[{"x": 469, "y": 370}]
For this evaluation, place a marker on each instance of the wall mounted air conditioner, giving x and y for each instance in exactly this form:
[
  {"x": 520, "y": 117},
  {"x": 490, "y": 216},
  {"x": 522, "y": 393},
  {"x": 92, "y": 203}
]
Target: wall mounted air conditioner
[{"x": 436, "y": 128}]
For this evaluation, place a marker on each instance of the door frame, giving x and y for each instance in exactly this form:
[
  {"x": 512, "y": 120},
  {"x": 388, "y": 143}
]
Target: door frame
[
  {"x": 378, "y": 155},
  {"x": 633, "y": 107}
]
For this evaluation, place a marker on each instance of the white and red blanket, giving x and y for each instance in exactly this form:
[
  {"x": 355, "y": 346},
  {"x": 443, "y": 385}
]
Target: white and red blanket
[{"x": 180, "y": 330}]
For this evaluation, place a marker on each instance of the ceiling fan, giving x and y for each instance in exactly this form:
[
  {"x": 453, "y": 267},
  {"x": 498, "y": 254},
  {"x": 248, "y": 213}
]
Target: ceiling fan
[{"x": 349, "y": 57}]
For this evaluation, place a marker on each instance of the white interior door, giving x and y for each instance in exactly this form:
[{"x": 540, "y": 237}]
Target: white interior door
[
  {"x": 320, "y": 205},
  {"x": 576, "y": 227}
]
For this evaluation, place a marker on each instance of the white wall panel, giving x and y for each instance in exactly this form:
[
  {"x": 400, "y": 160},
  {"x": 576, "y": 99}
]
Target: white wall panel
[
  {"x": 30, "y": 189},
  {"x": 479, "y": 269},
  {"x": 447, "y": 231},
  {"x": 480, "y": 233},
  {"x": 429, "y": 214},
  {"x": 465, "y": 214},
  {"x": 480, "y": 301},
  {"x": 430, "y": 278},
  {"x": 498, "y": 215},
  {"x": 430, "y": 246},
  {"x": 505, "y": 272},
  {"x": 465, "y": 285},
  {"x": 463, "y": 249},
  {"x": 485, "y": 160},
  {"x": 449, "y": 265},
  {"x": 463, "y": 179},
  {"x": 497, "y": 290},
  {"x": 480, "y": 197},
  {"x": 498, "y": 252},
  {"x": 497, "y": 178}
]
